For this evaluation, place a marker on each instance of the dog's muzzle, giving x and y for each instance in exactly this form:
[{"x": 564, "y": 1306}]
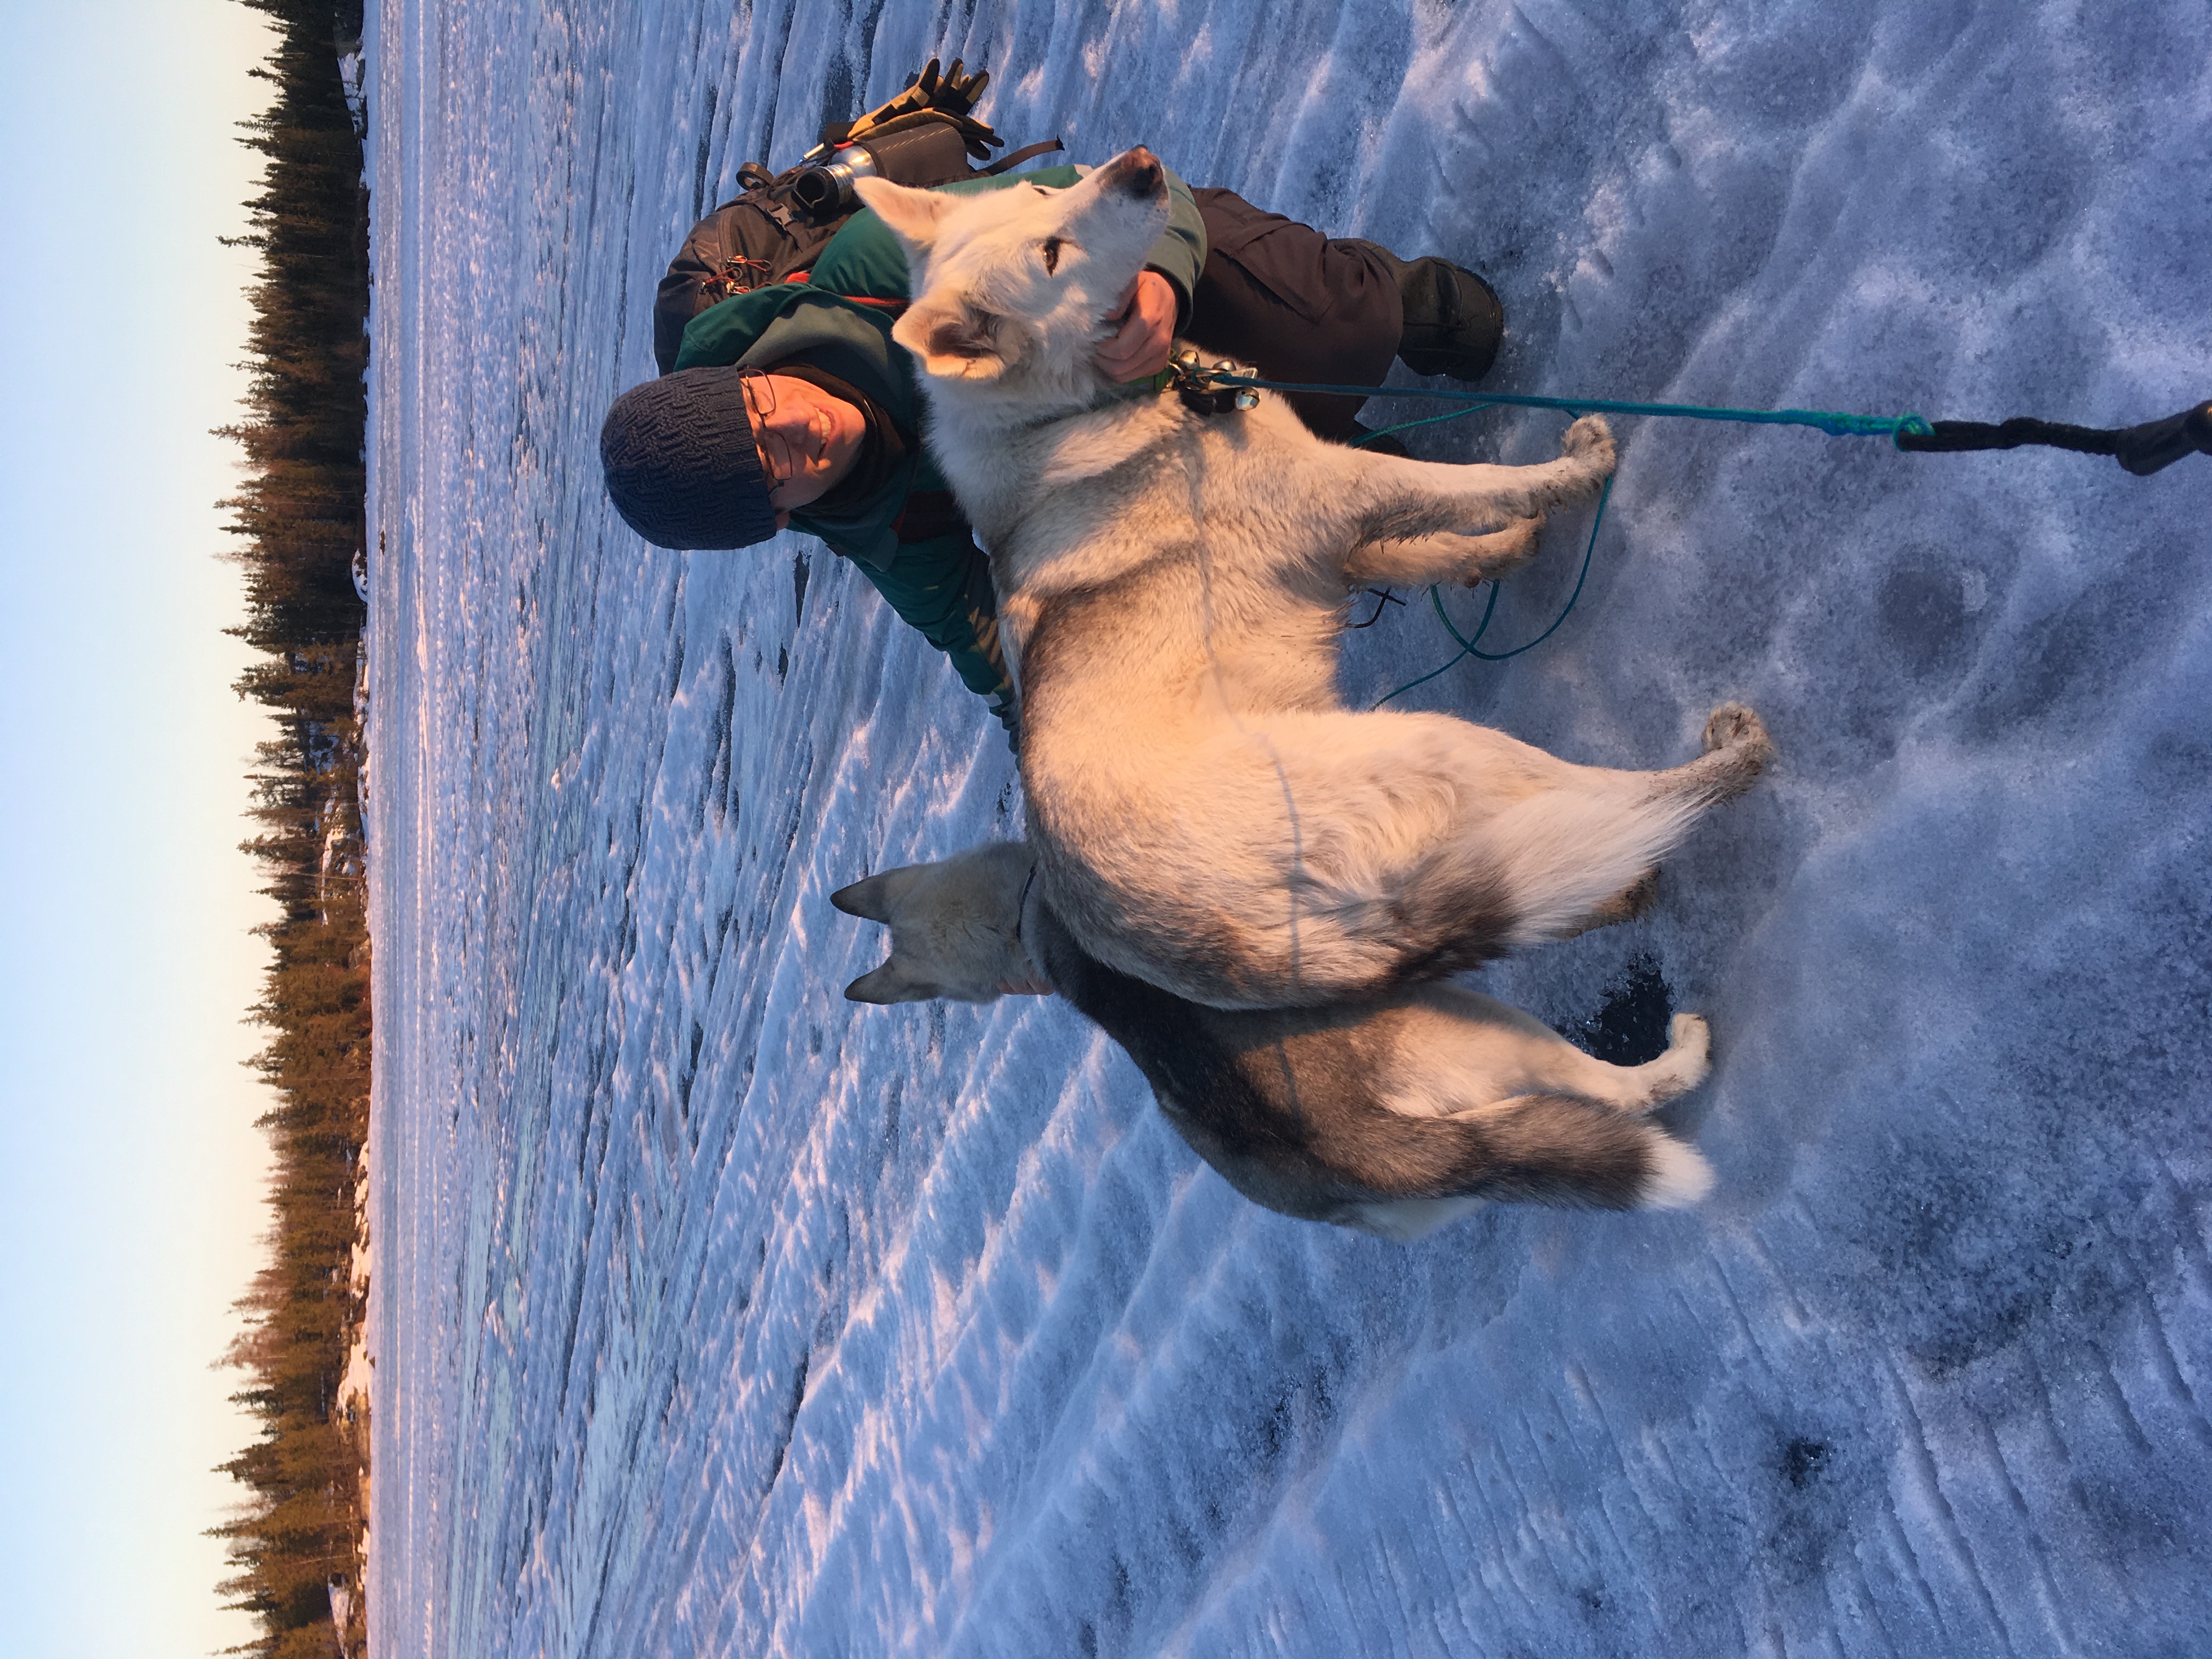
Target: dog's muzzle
[{"x": 1136, "y": 174}]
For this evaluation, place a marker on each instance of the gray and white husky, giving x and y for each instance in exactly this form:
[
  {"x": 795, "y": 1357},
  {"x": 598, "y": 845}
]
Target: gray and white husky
[
  {"x": 1393, "y": 1115},
  {"x": 1207, "y": 815}
]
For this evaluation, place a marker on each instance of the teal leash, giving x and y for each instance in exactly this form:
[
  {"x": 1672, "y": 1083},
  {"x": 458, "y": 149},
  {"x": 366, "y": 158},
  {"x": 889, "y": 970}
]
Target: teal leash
[
  {"x": 1836, "y": 425},
  {"x": 2142, "y": 449}
]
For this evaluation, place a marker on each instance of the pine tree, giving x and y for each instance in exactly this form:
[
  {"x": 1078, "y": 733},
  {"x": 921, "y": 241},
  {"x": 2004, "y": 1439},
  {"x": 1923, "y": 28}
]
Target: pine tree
[{"x": 299, "y": 517}]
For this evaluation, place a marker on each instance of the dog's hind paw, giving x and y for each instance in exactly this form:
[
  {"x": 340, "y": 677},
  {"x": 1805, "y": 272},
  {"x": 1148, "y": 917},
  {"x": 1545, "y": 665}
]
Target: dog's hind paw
[
  {"x": 1689, "y": 1037},
  {"x": 1589, "y": 440},
  {"x": 1732, "y": 725}
]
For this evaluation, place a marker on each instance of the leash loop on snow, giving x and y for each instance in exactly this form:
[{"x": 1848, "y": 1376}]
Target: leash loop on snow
[{"x": 1469, "y": 645}]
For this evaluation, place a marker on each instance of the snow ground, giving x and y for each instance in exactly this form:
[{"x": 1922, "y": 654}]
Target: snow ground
[{"x": 714, "y": 1315}]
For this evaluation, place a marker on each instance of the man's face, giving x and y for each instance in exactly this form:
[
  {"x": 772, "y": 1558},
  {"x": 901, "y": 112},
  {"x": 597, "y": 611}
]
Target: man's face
[{"x": 808, "y": 439}]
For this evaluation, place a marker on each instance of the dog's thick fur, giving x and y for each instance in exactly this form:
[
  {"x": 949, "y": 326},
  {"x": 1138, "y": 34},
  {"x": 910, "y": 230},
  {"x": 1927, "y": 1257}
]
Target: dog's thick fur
[
  {"x": 1208, "y": 816},
  {"x": 1393, "y": 1115}
]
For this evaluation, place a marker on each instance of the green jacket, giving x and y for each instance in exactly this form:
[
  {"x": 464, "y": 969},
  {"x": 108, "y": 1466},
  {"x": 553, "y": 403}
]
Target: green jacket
[{"x": 909, "y": 539}]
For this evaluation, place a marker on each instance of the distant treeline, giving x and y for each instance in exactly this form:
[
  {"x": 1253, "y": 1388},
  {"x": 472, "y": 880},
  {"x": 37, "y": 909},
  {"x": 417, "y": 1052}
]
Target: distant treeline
[{"x": 299, "y": 515}]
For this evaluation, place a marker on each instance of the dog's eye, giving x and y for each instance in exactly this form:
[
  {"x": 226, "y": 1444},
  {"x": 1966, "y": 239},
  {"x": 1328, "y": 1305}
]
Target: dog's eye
[{"x": 1051, "y": 251}]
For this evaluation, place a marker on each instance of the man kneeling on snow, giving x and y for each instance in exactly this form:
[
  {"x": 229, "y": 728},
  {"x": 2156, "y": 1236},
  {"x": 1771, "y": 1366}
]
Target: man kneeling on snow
[{"x": 790, "y": 404}]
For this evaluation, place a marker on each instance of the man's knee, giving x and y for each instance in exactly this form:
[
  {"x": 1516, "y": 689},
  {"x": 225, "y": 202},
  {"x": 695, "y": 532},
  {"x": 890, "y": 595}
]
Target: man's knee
[
  {"x": 1300, "y": 305},
  {"x": 1336, "y": 286}
]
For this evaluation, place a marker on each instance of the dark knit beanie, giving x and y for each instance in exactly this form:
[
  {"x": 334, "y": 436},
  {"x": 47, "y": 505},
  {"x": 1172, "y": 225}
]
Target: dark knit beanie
[{"x": 680, "y": 463}]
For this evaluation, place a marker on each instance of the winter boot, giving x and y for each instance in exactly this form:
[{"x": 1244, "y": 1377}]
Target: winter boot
[{"x": 1454, "y": 323}]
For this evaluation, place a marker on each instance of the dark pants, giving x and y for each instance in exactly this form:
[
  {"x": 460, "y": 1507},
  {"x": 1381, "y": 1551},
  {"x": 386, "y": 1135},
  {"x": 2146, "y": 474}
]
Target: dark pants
[{"x": 1295, "y": 305}]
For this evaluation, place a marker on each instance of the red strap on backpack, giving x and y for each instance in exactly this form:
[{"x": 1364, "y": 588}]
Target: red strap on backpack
[{"x": 894, "y": 306}]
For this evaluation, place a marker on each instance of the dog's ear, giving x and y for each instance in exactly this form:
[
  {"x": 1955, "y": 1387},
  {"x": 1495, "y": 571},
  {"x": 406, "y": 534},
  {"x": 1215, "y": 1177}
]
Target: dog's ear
[
  {"x": 874, "y": 898},
  {"x": 913, "y": 215},
  {"x": 955, "y": 340},
  {"x": 892, "y": 982}
]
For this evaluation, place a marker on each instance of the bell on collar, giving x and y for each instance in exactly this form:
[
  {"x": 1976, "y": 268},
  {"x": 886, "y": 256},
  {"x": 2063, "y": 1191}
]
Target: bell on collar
[{"x": 1199, "y": 389}]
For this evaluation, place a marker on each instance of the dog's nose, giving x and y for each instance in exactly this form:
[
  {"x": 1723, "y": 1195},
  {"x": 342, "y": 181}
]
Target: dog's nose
[{"x": 1136, "y": 173}]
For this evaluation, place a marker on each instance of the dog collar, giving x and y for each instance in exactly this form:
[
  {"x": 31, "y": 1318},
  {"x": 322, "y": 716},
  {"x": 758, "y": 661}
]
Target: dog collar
[
  {"x": 1194, "y": 382},
  {"x": 1199, "y": 389}
]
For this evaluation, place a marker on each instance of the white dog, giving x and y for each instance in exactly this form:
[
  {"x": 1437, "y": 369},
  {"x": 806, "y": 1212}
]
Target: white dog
[
  {"x": 1393, "y": 1115},
  {"x": 1205, "y": 814}
]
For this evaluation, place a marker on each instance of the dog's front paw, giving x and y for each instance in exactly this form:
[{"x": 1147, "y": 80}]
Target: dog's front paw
[
  {"x": 1589, "y": 440},
  {"x": 1502, "y": 551}
]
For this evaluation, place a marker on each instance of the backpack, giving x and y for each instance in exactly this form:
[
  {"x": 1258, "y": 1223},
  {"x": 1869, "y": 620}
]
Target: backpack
[{"x": 779, "y": 226}]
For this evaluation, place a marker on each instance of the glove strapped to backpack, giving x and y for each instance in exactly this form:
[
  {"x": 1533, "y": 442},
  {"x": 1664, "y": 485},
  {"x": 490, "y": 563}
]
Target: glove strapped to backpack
[{"x": 951, "y": 97}]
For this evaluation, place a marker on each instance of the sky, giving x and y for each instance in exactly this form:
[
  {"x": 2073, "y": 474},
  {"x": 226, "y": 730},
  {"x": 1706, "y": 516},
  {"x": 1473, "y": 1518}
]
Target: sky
[{"x": 131, "y": 1182}]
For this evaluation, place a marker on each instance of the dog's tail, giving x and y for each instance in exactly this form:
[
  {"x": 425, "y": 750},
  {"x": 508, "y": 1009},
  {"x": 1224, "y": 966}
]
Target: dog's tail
[{"x": 1542, "y": 1149}]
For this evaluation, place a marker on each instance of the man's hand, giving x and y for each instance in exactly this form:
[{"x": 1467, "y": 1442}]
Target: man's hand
[{"x": 1145, "y": 320}]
